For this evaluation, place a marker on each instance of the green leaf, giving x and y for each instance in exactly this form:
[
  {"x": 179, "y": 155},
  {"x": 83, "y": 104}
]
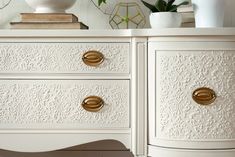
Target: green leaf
[
  {"x": 101, "y": 1},
  {"x": 174, "y": 8},
  {"x": 161, "y": 5},
  {"x": 169, "y": 4},
  {"x": 150, "y": 6},
  {"x": 183, "y": 3}
]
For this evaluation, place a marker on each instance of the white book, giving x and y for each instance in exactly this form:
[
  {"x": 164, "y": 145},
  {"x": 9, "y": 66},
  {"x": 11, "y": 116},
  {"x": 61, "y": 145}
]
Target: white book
[
  {"x": 188, "y": 17},
  {"x": 185, "y": 9}
]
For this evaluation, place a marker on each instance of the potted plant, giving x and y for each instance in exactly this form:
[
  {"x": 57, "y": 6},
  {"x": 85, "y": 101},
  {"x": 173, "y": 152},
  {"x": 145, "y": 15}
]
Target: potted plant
[
  {"x": 209, "y": 13},
  {"x": 164, "y": 13},
  {"x": 53, "y": 6}
]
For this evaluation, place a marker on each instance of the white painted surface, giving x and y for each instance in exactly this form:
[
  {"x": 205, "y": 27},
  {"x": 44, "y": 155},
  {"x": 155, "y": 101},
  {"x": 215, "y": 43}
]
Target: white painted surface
[
  {"x": 129, "y": 137},
  {"x": 57, "y": 104},
  {"x": 57, "y": 57},
  {"x": 43, "y": 142},
  {"x": 139, "y": 95},
  {"x": 168, "y": 152},
  {"x": 176, "y": 120},
  {"x": 121, "y": 35},
  {"x": 178, "y": 116},
  {"x": 41, "y": 110}
]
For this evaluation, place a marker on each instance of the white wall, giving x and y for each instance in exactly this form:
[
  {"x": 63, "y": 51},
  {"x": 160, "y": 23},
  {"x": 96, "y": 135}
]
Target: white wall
[
  {"x": 84, "y": 9},
  {"x": 88, "y": 13},
  {"x": 230, "y": 13}
]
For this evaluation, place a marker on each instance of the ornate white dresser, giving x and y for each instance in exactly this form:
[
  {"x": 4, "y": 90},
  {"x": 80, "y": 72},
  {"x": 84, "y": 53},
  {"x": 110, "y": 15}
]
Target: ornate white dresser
[{"x": 166, "y": 92}]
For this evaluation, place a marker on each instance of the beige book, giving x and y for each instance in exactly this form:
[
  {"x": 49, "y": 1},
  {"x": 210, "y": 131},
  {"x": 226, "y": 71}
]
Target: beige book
[
  {"x": 189, "y": 24},
  {"x": 49, "y": 25},
  {"x": 188, "y": 17},
  {"x": 48, "y": 17}
]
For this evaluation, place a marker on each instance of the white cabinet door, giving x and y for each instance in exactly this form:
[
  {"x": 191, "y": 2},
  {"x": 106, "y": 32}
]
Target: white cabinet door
[{"x": 176, "y": 72}]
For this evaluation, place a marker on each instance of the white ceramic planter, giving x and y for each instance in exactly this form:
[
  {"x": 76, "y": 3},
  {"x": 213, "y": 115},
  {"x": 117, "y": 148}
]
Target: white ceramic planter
[
  {"x": 209, "y": 13},
  {"x": 50, "y": 6},
  {"x": 165, "y": 20}
]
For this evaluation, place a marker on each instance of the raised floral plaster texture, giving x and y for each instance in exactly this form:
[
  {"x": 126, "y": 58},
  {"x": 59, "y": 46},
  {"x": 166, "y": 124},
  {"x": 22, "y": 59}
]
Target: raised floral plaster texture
[
  {"x": 48, "y": 104},
  {"x": 62, "y": 57},
  {"x": 179, "y": 73}
]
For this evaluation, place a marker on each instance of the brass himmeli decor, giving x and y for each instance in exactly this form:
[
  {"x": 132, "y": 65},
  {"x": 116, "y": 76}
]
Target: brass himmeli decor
[
  {"x": 204, "y": 96},
  {"x": 4, "y": 3},
  {"x": 127, "y": 15}
]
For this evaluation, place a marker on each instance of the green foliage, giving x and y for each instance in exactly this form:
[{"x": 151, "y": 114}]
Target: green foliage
[
  {"x": 164, "y": 6},
  {"x": 101, "y": 1},
  {"x": 150, "y": 6}
]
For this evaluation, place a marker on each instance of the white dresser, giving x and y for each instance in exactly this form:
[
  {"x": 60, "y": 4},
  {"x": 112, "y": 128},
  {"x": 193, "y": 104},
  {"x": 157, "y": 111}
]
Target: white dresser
[
  {"x": 192, "y": 95},
  {"x": 166, "y": 92}
]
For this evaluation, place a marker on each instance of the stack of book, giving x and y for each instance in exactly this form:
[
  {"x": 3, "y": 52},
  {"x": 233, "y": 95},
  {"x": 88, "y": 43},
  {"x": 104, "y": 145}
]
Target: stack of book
[
  {"x": 188, "y": 19},
  {"x": 48, "y": 21}
]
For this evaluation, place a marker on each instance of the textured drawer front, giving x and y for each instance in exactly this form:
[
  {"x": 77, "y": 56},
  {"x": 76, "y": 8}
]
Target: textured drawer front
[
  {"x": 178, "y": 74},
  {"x": 44, "y": 104},
  {"x": 62, "y": 57}
]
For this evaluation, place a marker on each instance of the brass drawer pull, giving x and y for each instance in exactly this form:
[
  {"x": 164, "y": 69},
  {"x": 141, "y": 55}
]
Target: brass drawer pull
[
  {"x": 204, "y": 96},
  {"x": 93, "y": 58},
  {"x": 93, "y": 103}
]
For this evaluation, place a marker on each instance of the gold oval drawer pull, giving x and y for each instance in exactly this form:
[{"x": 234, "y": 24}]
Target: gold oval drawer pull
[
  {"x": 93, "y": 103},
  {"x": 93, "y": 58},
  {"x": 204, "y": 96}
]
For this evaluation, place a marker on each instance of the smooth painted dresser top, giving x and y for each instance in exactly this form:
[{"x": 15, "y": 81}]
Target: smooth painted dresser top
[{"x": 120, "y": 33}]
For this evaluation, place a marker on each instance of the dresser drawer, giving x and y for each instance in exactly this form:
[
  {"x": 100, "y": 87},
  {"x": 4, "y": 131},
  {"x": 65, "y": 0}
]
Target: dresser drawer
[
  {"x": 192, "y": 94},
  {"x": 211, "y": 115},
  {"x": 195, "y": 98},
  {"x": 64, "y": 104},
  {"x": 58, "y": 57}
]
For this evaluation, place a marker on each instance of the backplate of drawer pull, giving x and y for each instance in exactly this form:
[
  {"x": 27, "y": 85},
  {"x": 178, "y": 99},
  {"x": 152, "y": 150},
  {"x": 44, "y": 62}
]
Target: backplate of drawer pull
[
  {"x": 204, "y": 96},
  {"x": 93, "y": 58},
  {"x": 93, "y": 103}
]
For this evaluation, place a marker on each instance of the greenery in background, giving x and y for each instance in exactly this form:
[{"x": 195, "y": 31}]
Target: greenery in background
[
  {"x": 159, "y": 6},
  {"x": 164, "y": 6},
  {"x": 101, "y": 1}
]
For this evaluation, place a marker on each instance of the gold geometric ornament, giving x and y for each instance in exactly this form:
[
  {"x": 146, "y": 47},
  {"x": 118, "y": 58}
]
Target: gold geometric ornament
[{"x": 127, "y": 15}]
